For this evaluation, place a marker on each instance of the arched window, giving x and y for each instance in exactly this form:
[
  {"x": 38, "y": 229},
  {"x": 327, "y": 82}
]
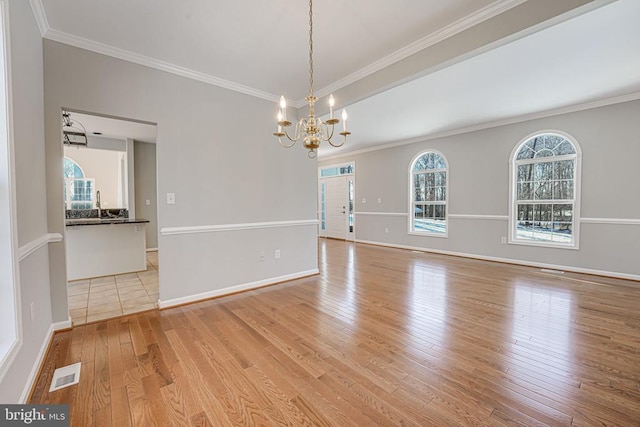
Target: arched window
[
  {"x": 78, "y": 190},
  {"x": 545, "y": 191},
  {"x": 428, "y": 194},
  {"x": 72, "y": 169}
]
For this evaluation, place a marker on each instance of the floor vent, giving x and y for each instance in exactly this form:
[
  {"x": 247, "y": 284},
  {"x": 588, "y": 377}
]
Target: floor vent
[
  {"x": 65, "y": 376},
  {"x": 559, "y": 272}
]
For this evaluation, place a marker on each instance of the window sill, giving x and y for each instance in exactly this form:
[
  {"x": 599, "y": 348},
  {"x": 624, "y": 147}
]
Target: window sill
[
  {"x": 574, "y": 247},
  {"x": 426, "y": 234}
]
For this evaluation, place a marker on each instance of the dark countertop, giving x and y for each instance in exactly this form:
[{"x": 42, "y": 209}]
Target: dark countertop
[{"x": 103, "y": 221}]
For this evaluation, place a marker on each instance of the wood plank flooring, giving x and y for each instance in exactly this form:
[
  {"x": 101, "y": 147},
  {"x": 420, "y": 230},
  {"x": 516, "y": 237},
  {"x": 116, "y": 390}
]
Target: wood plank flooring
[{"x": 381, "y": 337}]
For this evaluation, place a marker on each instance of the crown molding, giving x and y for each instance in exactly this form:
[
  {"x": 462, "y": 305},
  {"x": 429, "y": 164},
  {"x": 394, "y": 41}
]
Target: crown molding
[
  {"x": 469, "y": 21},
  {"x": 41, "y": 17},
  {"x": 59, "y": 36},
  {"x": 488, "y": 125},
  {"x": 459, "y": 26},
  {"x": 104, "y": 49}
]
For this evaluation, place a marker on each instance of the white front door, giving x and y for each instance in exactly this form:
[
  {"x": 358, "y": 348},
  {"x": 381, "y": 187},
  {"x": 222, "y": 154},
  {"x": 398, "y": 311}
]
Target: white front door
[{"x": 337, "y": 206}]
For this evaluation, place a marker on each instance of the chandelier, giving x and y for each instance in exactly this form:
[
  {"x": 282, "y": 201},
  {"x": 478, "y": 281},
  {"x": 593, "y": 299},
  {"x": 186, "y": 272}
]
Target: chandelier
[{"x": 312, "y": 129}]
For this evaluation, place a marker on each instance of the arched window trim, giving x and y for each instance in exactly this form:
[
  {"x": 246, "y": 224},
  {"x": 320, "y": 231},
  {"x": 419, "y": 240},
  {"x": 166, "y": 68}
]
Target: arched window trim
[
  {"x": 76, "y": 164},
  {"x": 577, "y": 178},
  {"x": 411, "y": 215}
]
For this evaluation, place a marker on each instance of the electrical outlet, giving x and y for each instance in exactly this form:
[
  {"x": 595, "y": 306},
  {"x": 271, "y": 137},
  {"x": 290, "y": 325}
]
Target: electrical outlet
[
  {"x": 364, "y": 200},
  {"x": 147, "y": 202},
  {"x": 386, "y": 229},
  {"x": 277, "y": 254},
  {"x": 171, "y": 198},
  {"x": 261, "y": 257},
  {"x": 503, "y": 240},
  {"x": 379, "y": 200}
]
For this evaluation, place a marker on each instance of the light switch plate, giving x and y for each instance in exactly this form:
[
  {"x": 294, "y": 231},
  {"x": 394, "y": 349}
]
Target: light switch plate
[{"x": 171, "y": 198}]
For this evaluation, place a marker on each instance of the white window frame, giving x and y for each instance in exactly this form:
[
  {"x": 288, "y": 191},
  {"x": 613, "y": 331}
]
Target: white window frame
[
  {"x": 577, "y": 174},
  {"x": 10, "y": 314},
  {"x": 68, "y": 182},
  {"x": 411, "y": 175}
]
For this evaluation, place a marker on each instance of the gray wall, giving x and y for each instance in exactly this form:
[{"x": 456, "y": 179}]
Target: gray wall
[
  {"x": 145, "y": 183},
  {"x": 215, "y": 151},
  {"x": 479, "y": 186},
  {"x": 28, "y": 129}
]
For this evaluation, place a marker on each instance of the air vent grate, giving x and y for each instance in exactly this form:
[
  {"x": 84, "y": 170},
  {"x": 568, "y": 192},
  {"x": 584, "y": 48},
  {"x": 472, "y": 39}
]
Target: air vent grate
[{"x": 65, "y": 376}]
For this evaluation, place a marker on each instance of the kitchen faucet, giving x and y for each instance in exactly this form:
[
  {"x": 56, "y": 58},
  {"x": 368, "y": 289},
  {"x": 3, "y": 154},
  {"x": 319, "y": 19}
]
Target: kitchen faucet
[{"x": 98, "y": 204}]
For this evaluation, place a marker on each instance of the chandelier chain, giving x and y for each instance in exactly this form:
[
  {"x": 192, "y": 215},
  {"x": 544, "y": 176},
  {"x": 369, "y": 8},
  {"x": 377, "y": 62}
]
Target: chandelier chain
[{"x": 310, "y": 47}]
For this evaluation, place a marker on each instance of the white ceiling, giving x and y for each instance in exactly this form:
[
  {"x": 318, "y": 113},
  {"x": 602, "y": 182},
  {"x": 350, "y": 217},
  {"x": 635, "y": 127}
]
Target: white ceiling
[
  {"x": 592, "y": 56},
  {"x": 115, "y": 128}
]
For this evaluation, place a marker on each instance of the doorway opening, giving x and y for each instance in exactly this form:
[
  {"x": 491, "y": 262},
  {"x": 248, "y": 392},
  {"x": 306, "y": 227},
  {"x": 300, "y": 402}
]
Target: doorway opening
[
  {"x": 336, "y": 195},
  {"x": 111, "y": 203}
]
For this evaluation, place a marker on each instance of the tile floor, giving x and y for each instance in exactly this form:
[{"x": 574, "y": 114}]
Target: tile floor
[{"x": 111, "y": 296}]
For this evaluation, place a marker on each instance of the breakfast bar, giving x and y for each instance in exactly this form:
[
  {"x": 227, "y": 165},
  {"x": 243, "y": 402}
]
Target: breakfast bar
[{"x": 104, "y": 246}]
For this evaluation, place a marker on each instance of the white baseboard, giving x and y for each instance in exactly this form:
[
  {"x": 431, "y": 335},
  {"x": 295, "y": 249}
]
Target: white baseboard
[
  {"x": 614, "y": 274},
  {"x": 66, "y": 324},
  {"x": 234, "y": 289}
]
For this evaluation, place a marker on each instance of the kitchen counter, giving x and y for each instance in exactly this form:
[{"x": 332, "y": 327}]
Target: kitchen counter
[
  {"x": 72, "y": 222},
  {"x": 94, "y": 250}
]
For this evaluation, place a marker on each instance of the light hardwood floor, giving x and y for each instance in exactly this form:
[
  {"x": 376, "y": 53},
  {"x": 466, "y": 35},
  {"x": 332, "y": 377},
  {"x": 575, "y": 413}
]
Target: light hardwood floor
[{"x": 381, "y": 337}]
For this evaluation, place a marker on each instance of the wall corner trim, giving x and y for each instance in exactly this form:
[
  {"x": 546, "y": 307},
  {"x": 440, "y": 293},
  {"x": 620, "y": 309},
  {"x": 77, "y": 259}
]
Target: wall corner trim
[
  {"x": 234, "y": 289},
  {"x": 29, "y": 248}
]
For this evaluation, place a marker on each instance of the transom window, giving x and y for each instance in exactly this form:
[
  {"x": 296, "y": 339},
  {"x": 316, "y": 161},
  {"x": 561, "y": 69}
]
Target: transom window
[
  {"x": 544, "y": 191},
  {"x": 428, "y": 192}
]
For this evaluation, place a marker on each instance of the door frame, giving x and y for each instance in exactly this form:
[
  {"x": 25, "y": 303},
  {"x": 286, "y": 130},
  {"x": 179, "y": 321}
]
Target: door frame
[{"x": 350, "y": 218}]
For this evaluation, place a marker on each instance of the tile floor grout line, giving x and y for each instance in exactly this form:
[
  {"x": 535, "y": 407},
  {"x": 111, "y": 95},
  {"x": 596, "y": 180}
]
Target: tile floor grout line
[{"x": 109, "y": 285}]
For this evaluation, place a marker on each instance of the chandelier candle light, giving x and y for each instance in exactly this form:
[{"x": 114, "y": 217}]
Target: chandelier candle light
[{"x": 313, "y": 129}]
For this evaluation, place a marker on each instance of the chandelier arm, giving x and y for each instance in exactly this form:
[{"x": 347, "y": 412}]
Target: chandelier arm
[
  {"x": 328, "y": 135},
  {"x": 337, "y": 145},
  {"x": 343, "y": 140},
  {"x": 293, "y": 141},
  {"x": 296, "y": 136},
  {"x": 302, "y": 123}
]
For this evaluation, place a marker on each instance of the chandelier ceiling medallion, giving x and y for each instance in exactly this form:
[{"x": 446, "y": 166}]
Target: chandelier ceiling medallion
[{"x": 313, "y": 129}]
